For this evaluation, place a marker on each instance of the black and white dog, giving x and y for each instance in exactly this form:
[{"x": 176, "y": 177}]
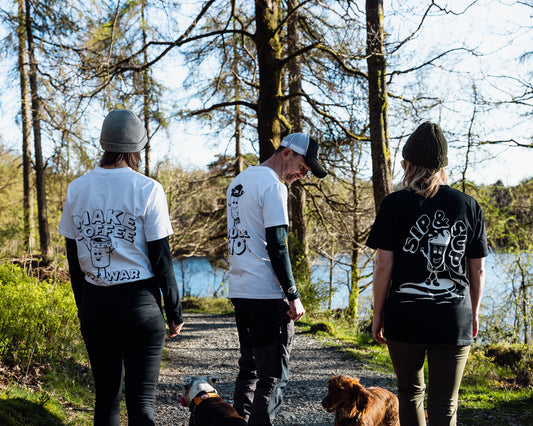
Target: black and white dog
[{"x": 207, "y": 408}]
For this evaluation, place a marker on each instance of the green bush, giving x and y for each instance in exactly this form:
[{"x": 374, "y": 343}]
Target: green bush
[
  {"x": 211, "y": 305},
  {"x": 38, "y": 320}
]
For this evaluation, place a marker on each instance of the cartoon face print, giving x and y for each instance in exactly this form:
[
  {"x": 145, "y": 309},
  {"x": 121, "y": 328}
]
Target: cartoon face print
[
  {"x": 237, "y": 235},
  {"x": 234, "y": 208},
  {"x": 437, "y": 246},
  {"x": 436, "y": 255},
  {"x": 100, "y": 257},
  {"x": 442, "y": 245},
  {"x": 100, "y": 248}
]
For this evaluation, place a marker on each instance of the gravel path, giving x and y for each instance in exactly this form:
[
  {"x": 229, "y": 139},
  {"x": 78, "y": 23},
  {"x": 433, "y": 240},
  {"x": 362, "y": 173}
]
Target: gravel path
[{"x": 208, "y": 346}]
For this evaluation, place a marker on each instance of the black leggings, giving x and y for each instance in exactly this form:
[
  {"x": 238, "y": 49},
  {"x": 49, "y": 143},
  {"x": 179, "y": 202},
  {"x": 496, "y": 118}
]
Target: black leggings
[{"x": 124, "y": 332}]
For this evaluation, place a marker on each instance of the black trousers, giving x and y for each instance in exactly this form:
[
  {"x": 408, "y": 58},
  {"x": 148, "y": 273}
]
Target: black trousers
[
  {"x": 265, "y": 335},
  {"x": 124, "y": 332}
]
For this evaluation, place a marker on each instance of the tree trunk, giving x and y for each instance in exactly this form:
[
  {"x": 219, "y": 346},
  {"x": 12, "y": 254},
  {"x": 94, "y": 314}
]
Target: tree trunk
[
  {"x": 269, "y": 53},
  {"x": 146, "y": 94},
  {"x": 355, "y": 273},
  {"x": 299, "y": 247},
  {"x": 26, "y": 125},
  {"x": 377, "y": 99},
  {"x": 332, "y": 264},
  {"x": 44, "y": 233},
  {"x": 239, "y": 164},
  {"x": 353, "y": 298}
]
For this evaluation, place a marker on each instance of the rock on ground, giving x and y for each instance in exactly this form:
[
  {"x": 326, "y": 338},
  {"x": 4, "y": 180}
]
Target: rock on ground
[{"x": 208, "y": 346}]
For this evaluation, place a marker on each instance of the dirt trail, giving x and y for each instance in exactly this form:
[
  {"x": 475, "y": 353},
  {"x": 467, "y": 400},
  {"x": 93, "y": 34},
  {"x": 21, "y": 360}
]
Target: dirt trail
[{"x": 208, "y": 345}]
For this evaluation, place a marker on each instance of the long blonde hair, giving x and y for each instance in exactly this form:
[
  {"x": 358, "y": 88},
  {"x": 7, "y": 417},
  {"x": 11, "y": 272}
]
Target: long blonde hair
[{"x": 423, "y": 181}]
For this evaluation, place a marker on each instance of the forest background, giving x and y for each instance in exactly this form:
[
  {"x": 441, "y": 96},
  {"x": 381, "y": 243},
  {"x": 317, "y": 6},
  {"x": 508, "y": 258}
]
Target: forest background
[
  {"x": 218, "y": 83},
  {"x": 356, "y": 75}
]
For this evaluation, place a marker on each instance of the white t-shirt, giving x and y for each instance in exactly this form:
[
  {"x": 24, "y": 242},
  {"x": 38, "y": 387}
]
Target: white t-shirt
[
  {"x": 256, "y": 199},
  {"x": 112, "y": 214}
]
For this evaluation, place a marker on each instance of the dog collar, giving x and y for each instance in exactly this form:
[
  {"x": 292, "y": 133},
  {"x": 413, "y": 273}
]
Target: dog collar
[
  {"x": 198, "y": 400},
  {"x": 203, "y": 396}
]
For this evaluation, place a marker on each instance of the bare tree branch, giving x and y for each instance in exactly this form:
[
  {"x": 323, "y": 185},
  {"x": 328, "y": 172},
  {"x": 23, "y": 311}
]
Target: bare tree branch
[
  {"x": 222, "y": 105},
  {"x": 432, "y": 60},
  {"x": 507, "y": 141}
]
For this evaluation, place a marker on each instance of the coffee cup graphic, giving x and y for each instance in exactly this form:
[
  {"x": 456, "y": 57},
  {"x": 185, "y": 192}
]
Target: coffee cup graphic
[{"x": 100, "y": 248}]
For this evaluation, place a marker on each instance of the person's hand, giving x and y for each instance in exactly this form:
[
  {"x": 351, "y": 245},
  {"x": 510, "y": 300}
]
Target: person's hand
[
  {"x": 174, "y": 329},
  {"x": 296, "y": 310},
  {"x": 475, "y": 326},
  {"x": 377, "y": 330}
]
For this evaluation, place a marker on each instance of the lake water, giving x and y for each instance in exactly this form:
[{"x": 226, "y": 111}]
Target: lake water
[{"x": 196, "y": 277}]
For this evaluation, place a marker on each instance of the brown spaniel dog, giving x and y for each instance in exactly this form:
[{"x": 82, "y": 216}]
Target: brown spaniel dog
[{"x": 353, "y": 404}]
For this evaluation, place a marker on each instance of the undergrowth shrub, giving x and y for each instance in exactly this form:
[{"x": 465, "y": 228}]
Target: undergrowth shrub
[
  {"x": 312, "y": 294},
  {"x": 212, "y": 305},
  {"x": 38, "y": 320}
]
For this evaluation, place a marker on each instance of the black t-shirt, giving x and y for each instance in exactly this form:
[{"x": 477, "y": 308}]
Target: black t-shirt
[{"x": 429, "y": 297}]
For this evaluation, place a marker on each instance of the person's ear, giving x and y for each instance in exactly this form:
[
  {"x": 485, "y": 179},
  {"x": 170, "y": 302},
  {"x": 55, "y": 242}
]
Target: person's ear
[{"x": 286, "y": 153}]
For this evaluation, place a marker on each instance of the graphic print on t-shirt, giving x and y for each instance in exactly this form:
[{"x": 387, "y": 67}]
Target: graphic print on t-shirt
[
  {"x": 236, "y": 234},
  {"x": 443, "y": 247},
  {"x": 100, "y": 233}
]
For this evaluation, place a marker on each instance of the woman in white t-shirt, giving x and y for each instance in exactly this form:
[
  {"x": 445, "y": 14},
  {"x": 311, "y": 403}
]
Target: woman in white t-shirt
[{"x": 116, "y": 224}]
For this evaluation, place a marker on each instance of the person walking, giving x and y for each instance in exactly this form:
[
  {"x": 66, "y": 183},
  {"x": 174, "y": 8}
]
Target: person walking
[
  {"x": 116, "y": 224},
  {"x": 261, "y": 284},
  {"x": 428, "y": 279}
]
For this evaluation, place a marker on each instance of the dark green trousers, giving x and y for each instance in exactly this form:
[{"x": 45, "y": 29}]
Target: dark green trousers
[{"x": 446, "y": 364}]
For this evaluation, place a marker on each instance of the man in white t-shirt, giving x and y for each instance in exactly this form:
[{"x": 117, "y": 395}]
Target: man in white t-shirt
[{"x": 261, "y": 284}]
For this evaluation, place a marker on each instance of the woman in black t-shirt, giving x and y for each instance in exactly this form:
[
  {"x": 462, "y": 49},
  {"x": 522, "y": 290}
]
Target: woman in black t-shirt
[{"x": 428, "y": 279}]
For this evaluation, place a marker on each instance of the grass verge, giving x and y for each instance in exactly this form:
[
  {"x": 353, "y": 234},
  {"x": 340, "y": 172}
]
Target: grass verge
[
  {"x": 61, "y": 395},
  {"x": 497, "y": 387}
]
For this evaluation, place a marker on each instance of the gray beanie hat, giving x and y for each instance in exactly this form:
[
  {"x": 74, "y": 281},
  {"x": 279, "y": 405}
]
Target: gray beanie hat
[
  {"x": 122, "y": 131},
  {"x": 427, "y": 147}
]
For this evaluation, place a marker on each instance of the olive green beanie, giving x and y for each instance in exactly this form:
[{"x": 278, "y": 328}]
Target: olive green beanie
[{"x": 427, "y": 147}]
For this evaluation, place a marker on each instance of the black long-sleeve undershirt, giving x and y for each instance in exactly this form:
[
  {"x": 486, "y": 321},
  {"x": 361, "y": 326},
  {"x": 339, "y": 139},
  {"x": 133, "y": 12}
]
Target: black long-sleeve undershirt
[
  {"x": 161, "y": 261},
  {"x": 276, "y": 238},
  {"x": 77, "y": 277}
]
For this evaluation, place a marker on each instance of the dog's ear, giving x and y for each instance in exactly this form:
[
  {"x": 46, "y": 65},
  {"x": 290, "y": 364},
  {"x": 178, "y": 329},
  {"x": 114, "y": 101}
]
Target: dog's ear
[
  {"x": 213, "y": 380},
  {"x": 339, "y": 381},
  {"x": 361, "y": 396},
  {"x": 187, "y": 382}
]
